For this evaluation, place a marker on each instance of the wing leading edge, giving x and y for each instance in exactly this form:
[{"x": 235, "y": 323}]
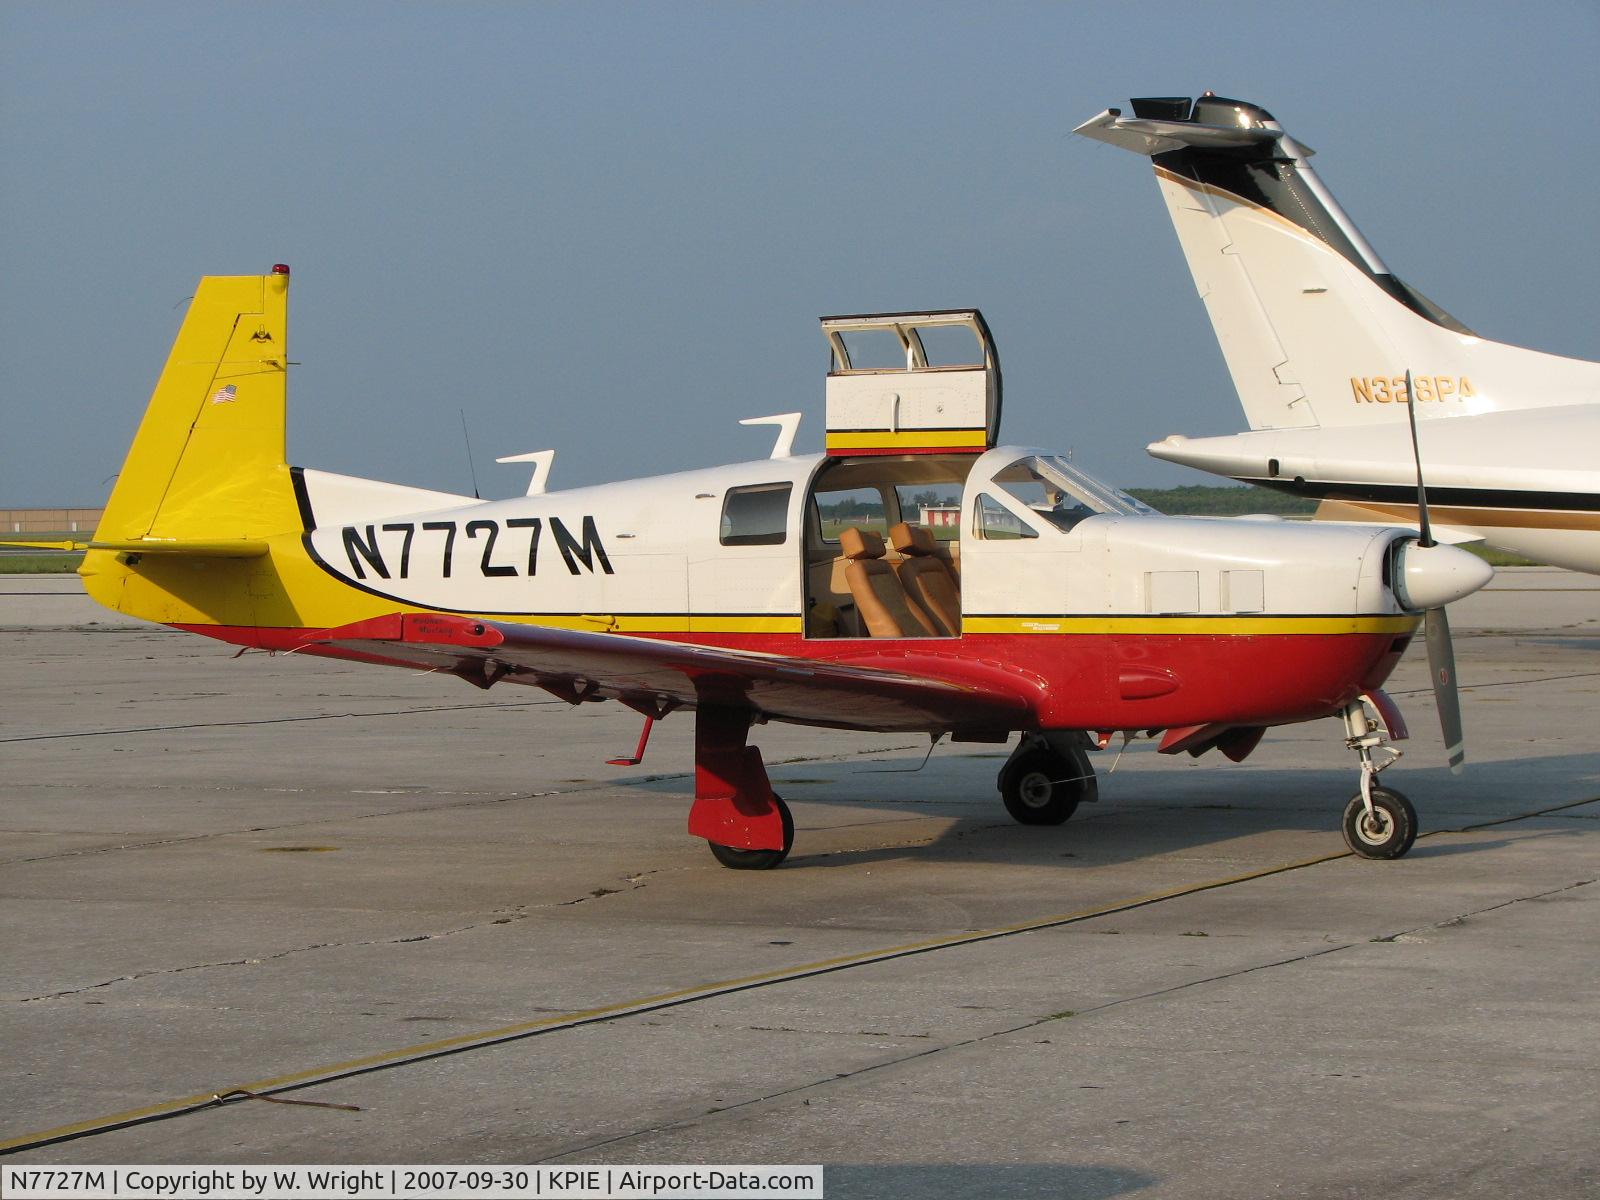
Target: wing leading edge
[{"x": 920, "y": 692}]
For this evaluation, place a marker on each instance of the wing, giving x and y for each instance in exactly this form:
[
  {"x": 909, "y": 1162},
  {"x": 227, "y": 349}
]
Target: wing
[{"x": 922, "y": 691}]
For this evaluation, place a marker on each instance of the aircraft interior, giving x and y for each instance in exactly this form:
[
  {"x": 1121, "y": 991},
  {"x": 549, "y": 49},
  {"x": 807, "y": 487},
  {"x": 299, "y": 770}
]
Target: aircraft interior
[
  {"x": 883, "y": 535},
  {"x": 883, "y": 547}
]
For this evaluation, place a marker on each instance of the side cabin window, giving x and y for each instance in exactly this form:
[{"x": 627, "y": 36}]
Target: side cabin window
[
  {"x": 756, "y": 516},
  {"x": 936, "y": 507},
  {"x": 851, "y": 508},
  {"x": 1045, "y": 493},
  {"x": 996, "y": 522},
  {"x": 1063, "y": 495}
]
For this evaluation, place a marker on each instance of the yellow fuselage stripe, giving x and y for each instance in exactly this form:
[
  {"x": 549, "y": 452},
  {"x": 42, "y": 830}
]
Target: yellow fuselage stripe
[
  {"x": 1167, "y": 626},
  {"x": 915, "y": 438},
  {"x": 1228, "y": 626},
  {"x": 652, "y": 622}
]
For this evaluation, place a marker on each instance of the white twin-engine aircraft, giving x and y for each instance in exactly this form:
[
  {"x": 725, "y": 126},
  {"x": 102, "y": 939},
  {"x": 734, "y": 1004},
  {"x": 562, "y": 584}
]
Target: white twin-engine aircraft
[
  {"x": 1319, "y": 335},
  {"x": 915, "y": 577}
]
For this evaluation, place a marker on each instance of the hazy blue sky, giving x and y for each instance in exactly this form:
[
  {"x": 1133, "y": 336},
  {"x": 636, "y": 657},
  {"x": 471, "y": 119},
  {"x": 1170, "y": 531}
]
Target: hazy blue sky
[{"x": 610, "y": 229}]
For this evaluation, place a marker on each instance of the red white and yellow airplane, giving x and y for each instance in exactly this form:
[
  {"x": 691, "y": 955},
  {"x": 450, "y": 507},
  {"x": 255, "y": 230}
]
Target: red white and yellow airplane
[
  {"x": 914, "y": 577},
  {"x": 1319, "y": 335}
]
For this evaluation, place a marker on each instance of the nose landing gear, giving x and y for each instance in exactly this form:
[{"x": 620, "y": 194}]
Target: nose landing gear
[{"x": 1379, "y": 822}]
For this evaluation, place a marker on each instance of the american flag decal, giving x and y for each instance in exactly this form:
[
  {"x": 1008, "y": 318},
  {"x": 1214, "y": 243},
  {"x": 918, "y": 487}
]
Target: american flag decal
[{"x": 225, "y": 395}]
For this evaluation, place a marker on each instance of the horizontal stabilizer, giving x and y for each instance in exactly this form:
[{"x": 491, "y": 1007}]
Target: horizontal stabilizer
[
  {"x": 220, "y": 548},
  {"x": 42, "y": 545},
  {"x": 1152, "y": 137}
]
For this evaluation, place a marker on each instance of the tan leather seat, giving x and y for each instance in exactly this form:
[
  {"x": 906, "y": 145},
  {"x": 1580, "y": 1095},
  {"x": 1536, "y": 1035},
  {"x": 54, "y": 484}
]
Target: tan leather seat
[
  {"x": 928, "y": 583},
  {"x": 879, "y": 597}
]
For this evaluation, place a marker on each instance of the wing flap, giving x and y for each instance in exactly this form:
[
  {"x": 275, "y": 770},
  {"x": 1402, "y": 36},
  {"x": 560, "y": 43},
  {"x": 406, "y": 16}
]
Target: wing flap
[{"x": 922, "y": 691}]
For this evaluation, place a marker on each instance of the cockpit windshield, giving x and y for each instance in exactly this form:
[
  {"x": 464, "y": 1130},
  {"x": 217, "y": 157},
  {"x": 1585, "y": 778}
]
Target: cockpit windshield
[{"x": 1062, "y": 494}]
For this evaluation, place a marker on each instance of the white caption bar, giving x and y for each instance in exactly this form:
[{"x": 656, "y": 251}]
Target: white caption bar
[{"x": 678, "y": 1182}]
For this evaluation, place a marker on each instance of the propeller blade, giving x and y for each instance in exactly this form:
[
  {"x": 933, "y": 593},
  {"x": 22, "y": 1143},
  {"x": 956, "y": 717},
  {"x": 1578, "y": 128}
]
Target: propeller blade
[
  {"x": 1416, "y": 452},
  {"x": 1442, "y": 666}
]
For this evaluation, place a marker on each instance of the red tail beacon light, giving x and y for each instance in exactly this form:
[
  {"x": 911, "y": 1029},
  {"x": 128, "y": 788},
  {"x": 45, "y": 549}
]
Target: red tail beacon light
[{"x": 280, "y": 268}]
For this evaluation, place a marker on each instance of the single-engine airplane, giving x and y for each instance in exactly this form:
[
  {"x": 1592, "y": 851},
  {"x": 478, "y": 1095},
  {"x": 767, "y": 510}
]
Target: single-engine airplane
[
  {"x": 914, "y": 577},
  {"x": 1319, "y": 335}
]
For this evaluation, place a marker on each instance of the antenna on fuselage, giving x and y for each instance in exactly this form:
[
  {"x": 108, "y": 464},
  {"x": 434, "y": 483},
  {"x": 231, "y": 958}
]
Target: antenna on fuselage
[
  {"x": 788, "y": 424},
  {"x": 541, "y": 460},
  {"x": 471, "y": 466},
  {"x": 1416, "y": 453}
]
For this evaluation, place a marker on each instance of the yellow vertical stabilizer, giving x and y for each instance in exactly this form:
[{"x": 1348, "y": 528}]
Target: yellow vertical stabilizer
[
  {"x": 185, "y": 533},
  {"x": 208, "y": 461}
]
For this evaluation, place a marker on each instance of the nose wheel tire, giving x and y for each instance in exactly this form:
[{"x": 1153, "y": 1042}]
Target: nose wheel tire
[
  {"x": 1041, "y": 787},
  {"x": 1387, "y": 832},
  {"x": 758, "y": 860}
]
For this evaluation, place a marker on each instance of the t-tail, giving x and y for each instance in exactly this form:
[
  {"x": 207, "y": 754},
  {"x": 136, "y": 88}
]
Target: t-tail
[{"x": 1315, "y": 327}]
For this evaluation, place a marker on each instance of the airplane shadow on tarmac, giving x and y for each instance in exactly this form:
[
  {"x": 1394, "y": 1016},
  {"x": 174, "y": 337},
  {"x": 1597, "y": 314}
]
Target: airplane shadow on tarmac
[
  {"x": 985, "y": 1181},
  {"x": 1140, "y": 815}
]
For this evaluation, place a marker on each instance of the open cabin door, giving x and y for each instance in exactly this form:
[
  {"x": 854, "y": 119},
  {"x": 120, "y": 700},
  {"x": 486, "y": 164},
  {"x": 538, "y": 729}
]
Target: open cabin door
[
  {"x": 940, "y": 394},
  {"x": 913, "y": 399}
]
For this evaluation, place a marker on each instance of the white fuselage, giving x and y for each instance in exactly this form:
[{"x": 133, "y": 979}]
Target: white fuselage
[{"x": 651, "y": 554}]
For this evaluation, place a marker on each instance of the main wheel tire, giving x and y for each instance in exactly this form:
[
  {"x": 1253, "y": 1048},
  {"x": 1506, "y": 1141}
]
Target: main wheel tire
[
  {"x": 1041, "y": 787},
  {"x": 1388, "y": 832},
  {"x": 758, "y": 860}
]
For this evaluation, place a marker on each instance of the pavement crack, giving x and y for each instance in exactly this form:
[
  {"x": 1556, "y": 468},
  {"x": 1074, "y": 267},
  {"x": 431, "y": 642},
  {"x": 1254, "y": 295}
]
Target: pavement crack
[
  {"x": 1463, "y": 918},
  {"x": 501, "y": 917},
  {"x": 334, "y": 716},
  {"x": 11, "y": 862},
  {"x": 235, "y": 962},
  {"x": 473, "y": 800},
  {"x": 1502, "y": 683},
  {"x": 634, "y": 882}
]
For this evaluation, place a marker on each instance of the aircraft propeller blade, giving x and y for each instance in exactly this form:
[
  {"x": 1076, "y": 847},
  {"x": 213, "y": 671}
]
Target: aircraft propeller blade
[
  {"x": 1442, "y": 666},
  {"x": 1441, "y": 654}
]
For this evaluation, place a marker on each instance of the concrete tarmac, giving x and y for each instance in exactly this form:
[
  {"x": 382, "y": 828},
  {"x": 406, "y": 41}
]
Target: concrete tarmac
[{"x": 219, "y": 873}]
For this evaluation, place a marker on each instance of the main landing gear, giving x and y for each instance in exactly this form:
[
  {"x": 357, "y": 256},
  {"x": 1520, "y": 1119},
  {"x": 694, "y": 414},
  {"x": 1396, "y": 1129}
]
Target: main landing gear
[
  {"x": 1047, "y": 776},
  {"x": 735, "y": 809},
  {"x": 1379, "y": 822},
  {"x": 758, "y": 860}
]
